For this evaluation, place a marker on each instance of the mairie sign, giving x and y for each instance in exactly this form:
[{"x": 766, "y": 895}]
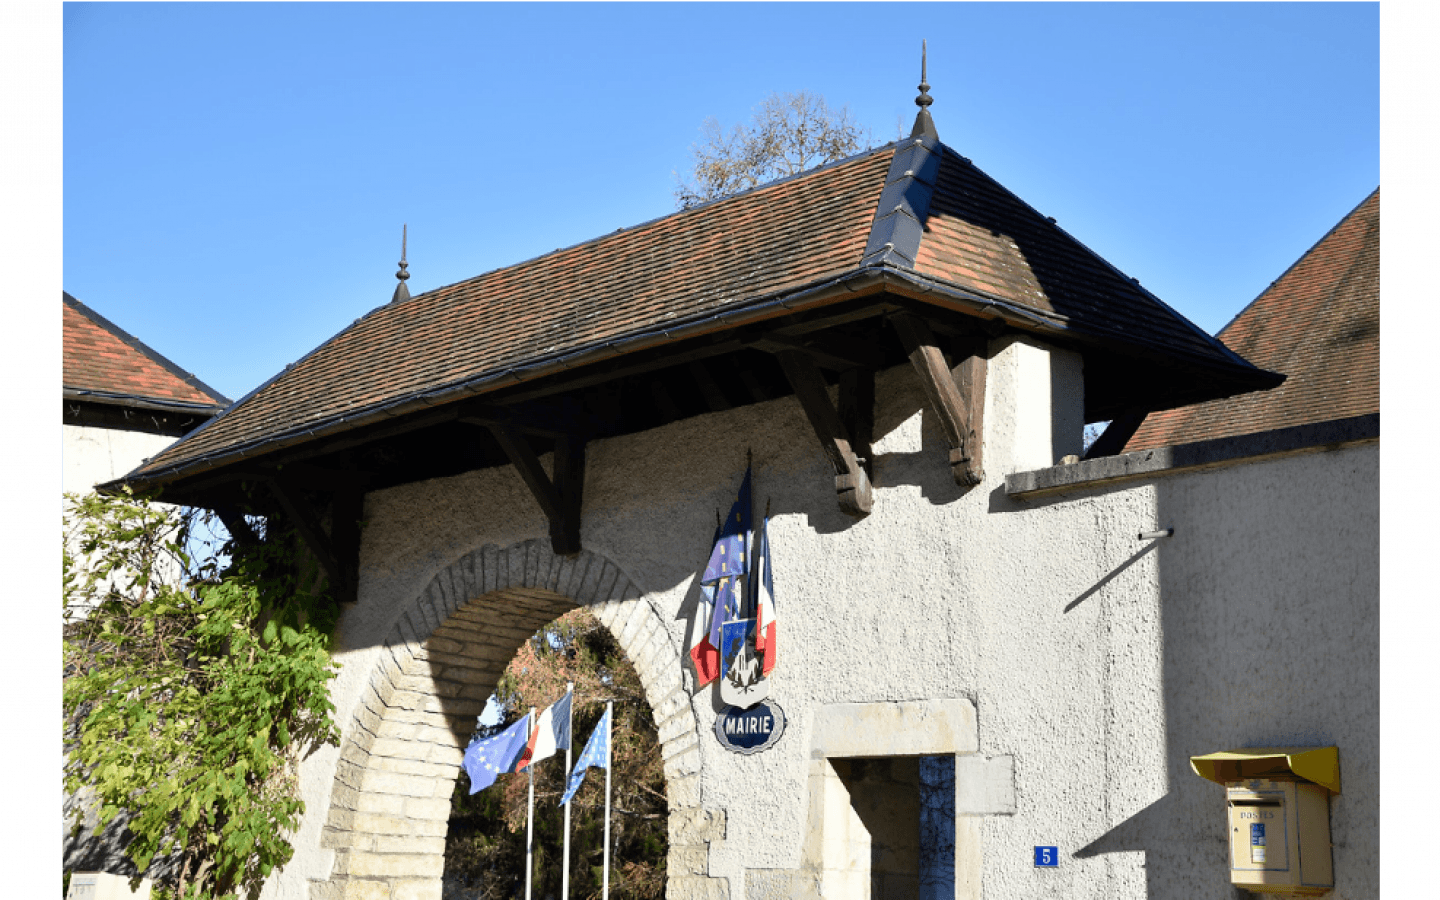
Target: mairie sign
[{"x": 750, "y": 730}]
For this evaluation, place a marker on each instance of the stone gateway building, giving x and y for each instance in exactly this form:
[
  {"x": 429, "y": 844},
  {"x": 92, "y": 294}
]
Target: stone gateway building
[{"x": 909, "y": 354}]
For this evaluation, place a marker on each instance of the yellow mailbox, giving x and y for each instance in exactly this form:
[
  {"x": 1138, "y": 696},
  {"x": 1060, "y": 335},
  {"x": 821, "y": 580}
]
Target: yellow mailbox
[{"x": 1277, "y": 815}]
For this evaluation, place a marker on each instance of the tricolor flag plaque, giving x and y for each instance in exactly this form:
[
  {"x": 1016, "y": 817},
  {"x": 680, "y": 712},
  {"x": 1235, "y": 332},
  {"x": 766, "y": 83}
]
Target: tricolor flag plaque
[{"x": 748, "y": 731}]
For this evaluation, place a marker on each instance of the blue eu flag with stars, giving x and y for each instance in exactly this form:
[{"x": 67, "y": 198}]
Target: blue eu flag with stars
[
  {"x": 486, "y": 759},
  {"x": 596, "y": 752}
]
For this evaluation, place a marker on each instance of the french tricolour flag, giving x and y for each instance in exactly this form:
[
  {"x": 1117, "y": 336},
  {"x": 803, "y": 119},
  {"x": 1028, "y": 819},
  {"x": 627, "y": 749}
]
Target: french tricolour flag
[
  {"x": 764, "y": 600},
  {"x": 552, "y": 732}
]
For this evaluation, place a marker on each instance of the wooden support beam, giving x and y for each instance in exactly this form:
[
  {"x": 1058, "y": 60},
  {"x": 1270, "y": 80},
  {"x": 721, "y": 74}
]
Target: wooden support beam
[
  {"x": 753, "y": 387},
  {"x": 570, "y": 485},
  {"x": 550, "y": 417},
  {"x": 973, "y": 353},
  {"x": 954, "y": 410},
  {"x": 661, "y": 396},
  {"x": 832, "y": 351},
  {"x": 523, "y": 458},
  {"x": 857, "y": 414},
  {"x": 1114, "y": 438},
  {"x": 852, "y": 484},
  {"x": 303, "y": 516},
  {"x": 234, "y": 522},
  {"x": 709, "y": 389},
  {"x": 560, "y": 498},
  {"x": 347, "y": 508}
]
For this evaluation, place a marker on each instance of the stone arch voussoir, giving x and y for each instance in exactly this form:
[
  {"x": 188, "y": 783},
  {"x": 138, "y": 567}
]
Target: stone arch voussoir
[{"x": 401, "y": 753}]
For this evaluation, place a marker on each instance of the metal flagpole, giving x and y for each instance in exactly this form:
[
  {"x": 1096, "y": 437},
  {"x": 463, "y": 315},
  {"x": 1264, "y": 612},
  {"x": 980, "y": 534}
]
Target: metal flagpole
[
  {"x": 570, "y": 730},
  {"x": 609, "y": 739},
  {"x": 530, "y": 815}
]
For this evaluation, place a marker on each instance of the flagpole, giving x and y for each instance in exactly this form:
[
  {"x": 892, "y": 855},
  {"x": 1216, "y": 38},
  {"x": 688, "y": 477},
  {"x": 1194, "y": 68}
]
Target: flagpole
[
  {"x": 530, "y": 815},
  {"x": 569, "y": 729},
  {"x": 609, "y": 739}
]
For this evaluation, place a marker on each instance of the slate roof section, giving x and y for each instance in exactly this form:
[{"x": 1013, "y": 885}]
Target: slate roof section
[
  {"x": 786, "y": 242},
  {"x": 1319, "y": 324},
  {"x": 104, "y": 364}
]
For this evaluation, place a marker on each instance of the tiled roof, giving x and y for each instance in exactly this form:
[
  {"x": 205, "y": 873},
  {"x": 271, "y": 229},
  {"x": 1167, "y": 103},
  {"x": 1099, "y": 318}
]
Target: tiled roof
[
  {"x": 788, "y": 234},
  {"x": 104, "y": 363},
  {"x": 774, "y": 241},
  {"x": 1319, "y": 324},
  {"x": 980, "y": 235}
]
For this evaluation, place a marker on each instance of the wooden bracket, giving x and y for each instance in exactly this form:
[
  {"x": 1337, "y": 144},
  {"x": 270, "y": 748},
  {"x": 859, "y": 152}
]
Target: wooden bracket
[
  {"x": 1114, "y": 438},
  {"x": 852, "y": 483},
  {"x": 829, "y": 351},
  {"x": 560, "y": 498},
  {"x": 960, "y": 408},
  {"x": 234, "y": 522},
  {"x": 338, "y": 553}
]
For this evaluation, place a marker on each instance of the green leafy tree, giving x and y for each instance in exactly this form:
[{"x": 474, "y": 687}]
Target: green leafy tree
[
  {"x": 192, "y": 688},
  {"x": 788, "y": 134},
  {"x": 485, "y": 846}
]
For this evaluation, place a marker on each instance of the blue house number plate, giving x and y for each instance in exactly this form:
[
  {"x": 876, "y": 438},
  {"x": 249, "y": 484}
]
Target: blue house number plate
[{"x": 1047, "y": 856}]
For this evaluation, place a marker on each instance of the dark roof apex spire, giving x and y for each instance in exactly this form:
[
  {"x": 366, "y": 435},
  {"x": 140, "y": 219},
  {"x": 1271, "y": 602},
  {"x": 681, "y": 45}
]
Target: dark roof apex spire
[
  {"x": 924, "y": 125},
  {"x": 401, "y": 291}
]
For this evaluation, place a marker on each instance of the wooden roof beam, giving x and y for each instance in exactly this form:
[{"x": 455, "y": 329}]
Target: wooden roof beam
[
  {"x": 559, "y": 497},
  {"x": 959, "y": 407},
  {"x": 852, "y": 483}
]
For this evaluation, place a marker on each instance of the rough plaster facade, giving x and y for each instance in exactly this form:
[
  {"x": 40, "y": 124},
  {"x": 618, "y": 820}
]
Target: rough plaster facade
[
  {"x": 1071, "y": 668},
  {"x": 90, "y": 456}
]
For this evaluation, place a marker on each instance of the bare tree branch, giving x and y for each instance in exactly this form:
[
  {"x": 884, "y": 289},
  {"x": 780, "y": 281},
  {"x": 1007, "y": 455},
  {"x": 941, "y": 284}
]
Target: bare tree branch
[{"x": 789, "y": 134}]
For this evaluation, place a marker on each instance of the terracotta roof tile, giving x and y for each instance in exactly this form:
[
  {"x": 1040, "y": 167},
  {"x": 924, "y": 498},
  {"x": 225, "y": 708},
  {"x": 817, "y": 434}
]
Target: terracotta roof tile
[
  {"x": 1319, "y": 324},
  {"x": 983, "y": 237},
  {"x": 100, "y": 358},
  {"x": 785, "y": 235},
  {"x": 778, "y": 238}
]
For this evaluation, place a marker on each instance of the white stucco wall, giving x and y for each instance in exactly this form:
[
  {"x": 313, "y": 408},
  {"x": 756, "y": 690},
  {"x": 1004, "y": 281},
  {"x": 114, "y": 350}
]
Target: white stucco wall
[
  {"x": 91, "y": 456},
  {"x": 1094, "y": 664}
]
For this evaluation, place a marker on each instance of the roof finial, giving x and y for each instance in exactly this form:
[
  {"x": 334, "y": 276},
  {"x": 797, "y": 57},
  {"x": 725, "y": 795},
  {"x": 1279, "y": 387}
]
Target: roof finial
[
  {"x": 924, "y": 125},
  {"x": 924, "y": 99},
  {"x": 401, "y": 291}
]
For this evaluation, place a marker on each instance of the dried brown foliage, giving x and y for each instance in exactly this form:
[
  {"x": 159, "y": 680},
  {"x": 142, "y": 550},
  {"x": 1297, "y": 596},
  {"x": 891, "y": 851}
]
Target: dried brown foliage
[
  {"x": 788, "y": 134},
  {"x": 485, "y": 846}
]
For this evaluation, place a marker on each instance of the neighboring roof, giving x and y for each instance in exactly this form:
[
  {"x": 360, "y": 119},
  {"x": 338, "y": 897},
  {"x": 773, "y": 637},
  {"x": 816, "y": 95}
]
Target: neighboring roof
[
  {"x": 104, "y": 364},
  {"x": 785, "y": 244},
  {"x": 1319, "y": 324}
]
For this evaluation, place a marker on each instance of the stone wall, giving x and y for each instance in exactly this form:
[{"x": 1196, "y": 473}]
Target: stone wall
[{"x": 1065, "y": 638}]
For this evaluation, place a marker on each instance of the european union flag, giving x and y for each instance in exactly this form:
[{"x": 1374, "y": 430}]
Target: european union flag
[
  {"x": 597, "y": 750},
  {"x": 485, "y": 759},
  {"x": 732, "y": 540}
]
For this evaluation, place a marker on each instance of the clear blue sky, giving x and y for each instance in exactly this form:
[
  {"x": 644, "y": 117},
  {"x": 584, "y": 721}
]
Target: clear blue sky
[{"x": 236, "y": 175}]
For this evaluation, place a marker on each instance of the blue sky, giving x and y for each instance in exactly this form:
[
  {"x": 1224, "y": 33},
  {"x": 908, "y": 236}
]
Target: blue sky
[{"x": 236, "y": 175}]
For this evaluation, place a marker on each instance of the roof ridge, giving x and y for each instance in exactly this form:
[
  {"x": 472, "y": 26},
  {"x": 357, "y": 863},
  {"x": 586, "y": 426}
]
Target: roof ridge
[
  {"x": 145, "y": 349},
  {"x": 904, "y": 203},
  {"x": 1326, "y": 306},
  {"x": 1105, "y": 263},
  {"x": 854, "y": 157},
  {"x": 1299, "y": 259}
]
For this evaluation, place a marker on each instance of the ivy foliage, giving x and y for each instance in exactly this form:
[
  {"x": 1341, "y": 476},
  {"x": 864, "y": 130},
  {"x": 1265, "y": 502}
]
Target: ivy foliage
[
  {"x": 194, "y": 683},
  {"x": 485, "y": 843}
]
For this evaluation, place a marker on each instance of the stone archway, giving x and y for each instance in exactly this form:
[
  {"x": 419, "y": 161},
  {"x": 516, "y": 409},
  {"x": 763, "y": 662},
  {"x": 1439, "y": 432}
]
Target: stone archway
[{"x": 401, "y": 754}]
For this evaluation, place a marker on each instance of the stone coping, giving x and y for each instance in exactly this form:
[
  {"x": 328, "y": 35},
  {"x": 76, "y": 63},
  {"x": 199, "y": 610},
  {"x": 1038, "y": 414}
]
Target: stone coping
[{"x": 1160, "y": 461}]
